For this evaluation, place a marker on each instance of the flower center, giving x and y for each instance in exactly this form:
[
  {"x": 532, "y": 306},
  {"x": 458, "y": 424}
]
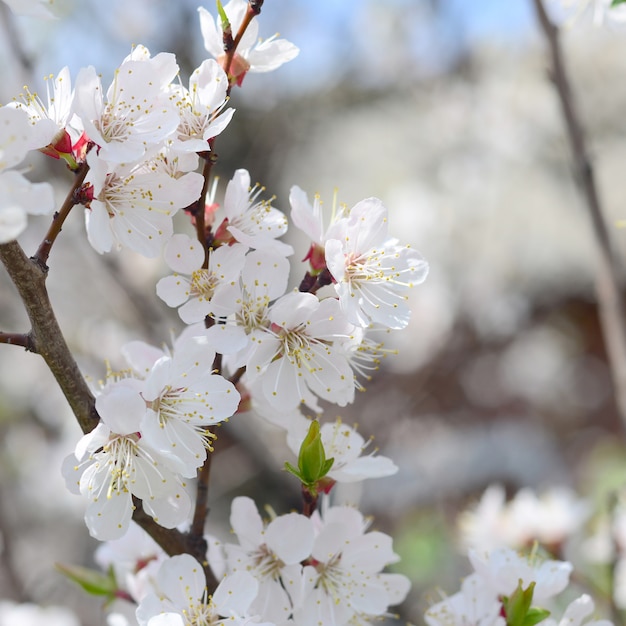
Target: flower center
[
  {"x": 266, "y": 564},
  {"x": 203, "y": 284},
  {"x": 200, "y": 613},
  {"x": 120, "y": 454}
]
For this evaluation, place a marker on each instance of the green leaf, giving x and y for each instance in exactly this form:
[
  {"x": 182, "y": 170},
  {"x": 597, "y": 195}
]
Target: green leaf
[
  {"x": 293, "y": 470},
  {"x": 617, "y": 2},
  {"x": 92, "y": 581},
  {"x": 534, "y": 616}
]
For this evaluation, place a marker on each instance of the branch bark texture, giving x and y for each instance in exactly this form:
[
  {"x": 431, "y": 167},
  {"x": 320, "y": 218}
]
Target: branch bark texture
[{"x": 46, "y": 338}]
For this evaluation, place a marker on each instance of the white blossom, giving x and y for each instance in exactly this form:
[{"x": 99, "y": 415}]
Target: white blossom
[
  {"x": 133, "y": 205},
  {"x": 372, "y": 272},
  {"x": 113, "y": 463},
  {"x": 301, "y": 353},
  {"x": 51, "y": 118},
  {"x": 182, "y": 598},
  {"x": 577, "y": 614},
  {"x": 263, "y": 279},
  {"x": 255, "y": 223},
  {"x": 201, "y": 291},
  {"x": 549, "y": 518},
  {"x": 200, "y": 107},
  {"x": 345, "y": 579},
  {"x": 135, "y": 113},
  {"x": 251, "y": 55},
  {"x": 184, "y": 398},
  {"x": 272, "y": 553},
  {"x": 309, "y": 218}
]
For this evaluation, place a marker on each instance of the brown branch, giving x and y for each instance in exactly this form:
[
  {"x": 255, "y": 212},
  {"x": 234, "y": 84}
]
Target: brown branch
[
  {"x": 43, "y": 252},
  {"x": 202, "y": 499},
  {"x": 175, "y": 542},
  {"x": 46, "y": 336},
  {"x": 18, "y": 339},
  {"x": 607, "y": 283},
  {"x": 236, "y": 377}
]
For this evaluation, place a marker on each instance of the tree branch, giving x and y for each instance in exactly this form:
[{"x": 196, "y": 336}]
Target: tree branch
[
  {"x": 45, "y": 336},
  {"x": 175, "y": 542},
  {"x": 611, "y": 307}
]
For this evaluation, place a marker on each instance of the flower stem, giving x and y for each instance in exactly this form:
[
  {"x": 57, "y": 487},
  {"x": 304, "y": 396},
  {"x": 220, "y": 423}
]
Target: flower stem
[{"x": 254, "y": 8}]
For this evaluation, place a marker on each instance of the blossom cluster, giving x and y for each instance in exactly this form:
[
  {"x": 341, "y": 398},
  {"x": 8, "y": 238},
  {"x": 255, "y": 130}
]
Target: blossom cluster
[
  {"x": 550, "y": 519},
  {"x": 559, "y": 521},
  {"x": 135, "y": 146},
  {"x": 505, "y": 587},
  {"x": 293, "y": 569}
]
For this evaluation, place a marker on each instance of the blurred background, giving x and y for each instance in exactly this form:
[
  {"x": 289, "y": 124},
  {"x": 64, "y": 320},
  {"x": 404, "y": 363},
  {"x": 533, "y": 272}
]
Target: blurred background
[{"x": 441, "y": 108}]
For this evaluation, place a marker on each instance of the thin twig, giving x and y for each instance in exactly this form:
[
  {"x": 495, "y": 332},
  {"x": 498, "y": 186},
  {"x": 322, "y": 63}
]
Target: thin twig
[
  {"x": 22, "y": 340},
  {"x": 254, "y": 8},
  {"x": 611, "y": 307},
  {"x": 43, "y": 252}
]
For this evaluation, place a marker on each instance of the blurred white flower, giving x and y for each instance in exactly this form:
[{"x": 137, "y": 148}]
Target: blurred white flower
[
  {"x": 503, "y": 568},
  {"x": 577, "y": 613},
  {"x": 600, "y": 11},
  {"x": 135, "y": 558},
  {"x": 475, "y": 605},
  {"x": 13, "y": 614},
  {"x": 550, "y": 518},
  {"x": 18, "y": 196},
  {"x": 32, "y": 8}
]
